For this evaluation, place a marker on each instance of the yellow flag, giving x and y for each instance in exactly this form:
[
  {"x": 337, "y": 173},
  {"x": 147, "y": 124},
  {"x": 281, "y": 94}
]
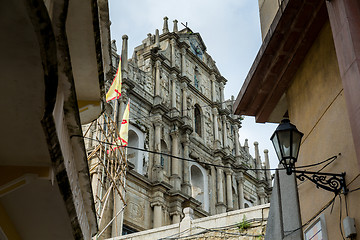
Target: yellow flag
[
  {"x": 124, "y": 128},
  {"x": 122, "y": 140},
  {"x": 115, "y": 88}
]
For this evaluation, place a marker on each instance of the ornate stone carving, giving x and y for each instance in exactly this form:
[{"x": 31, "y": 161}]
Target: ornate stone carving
[{"x": 136, "y": 211}]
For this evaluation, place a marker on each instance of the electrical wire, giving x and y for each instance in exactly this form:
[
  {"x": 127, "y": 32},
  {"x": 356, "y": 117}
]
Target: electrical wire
[
  {"x": 342, "y": 234},
  {"x": 354, "y": 190},
  {"x": 217, "y": 229},
  {"x": 319, "y": 163},
  {"x": 331, "y": 160},
  {"x": 313, "y": 217},
  {"x": 204, "y": 163}
]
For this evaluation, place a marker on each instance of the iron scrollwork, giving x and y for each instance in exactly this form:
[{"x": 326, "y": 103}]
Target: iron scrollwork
[{"x": 328, "y": 181}]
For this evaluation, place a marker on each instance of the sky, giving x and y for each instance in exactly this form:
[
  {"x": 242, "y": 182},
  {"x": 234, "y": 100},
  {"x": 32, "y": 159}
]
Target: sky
[{"x": 230, "y": 30}]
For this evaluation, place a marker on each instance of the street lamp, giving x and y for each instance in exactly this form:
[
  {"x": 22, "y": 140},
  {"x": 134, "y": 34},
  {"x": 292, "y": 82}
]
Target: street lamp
[{"x": 286, "y": 140}]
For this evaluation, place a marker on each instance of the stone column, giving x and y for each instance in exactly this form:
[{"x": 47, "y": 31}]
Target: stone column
[
  {"x": 173, "y": 91},
  {"x": 222, "y": 95},
  {"x": 213, "y": 191},
  {"x": 173, "y": 43},
  {"x": 157, "y": 78},
  {"x": 220, "y": 206},
  {"x": 175, "y": 29},
  {"x": 240, "y": 179},
  {"x": 229, "y": 194},
  {"x": 157, "y": 169},
  {"x": 225, "y": 138},
  {"x": 157, "y": 215},
  {"x": 186, "y": 187},
  {"x": 216, "y": 129},
  {"x": 183, "y": 62},
  {"x": 237, "y": 143},
  {"x": 213, "y": 90},
  {"x": 267, "y": 165},
  {"x": 165, "y": 27},
  {"x": 175, "y": 174},
  {"x": 259, "y": 173}
]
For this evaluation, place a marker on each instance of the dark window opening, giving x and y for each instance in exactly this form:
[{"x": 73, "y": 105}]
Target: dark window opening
[
  {"x": 128, "y": 230},
  {"x": 197, "y": 120}
]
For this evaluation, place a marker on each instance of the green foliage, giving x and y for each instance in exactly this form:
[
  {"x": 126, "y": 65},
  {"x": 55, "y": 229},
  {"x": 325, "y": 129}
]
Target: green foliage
[{"x": 243, "y": 225}]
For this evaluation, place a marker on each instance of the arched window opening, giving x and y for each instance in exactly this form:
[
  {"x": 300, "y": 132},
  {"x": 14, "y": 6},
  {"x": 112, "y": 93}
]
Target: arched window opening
[
  {"x": 197, "y": 114},
  {"x": 132, "y": 155},
  {"x": 197, "y": 184}
]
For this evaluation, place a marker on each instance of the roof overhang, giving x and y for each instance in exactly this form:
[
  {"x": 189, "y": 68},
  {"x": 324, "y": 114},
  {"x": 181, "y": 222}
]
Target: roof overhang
[
  {"x": 83, "y": 33},
  {"x": 291, "y": 34}
]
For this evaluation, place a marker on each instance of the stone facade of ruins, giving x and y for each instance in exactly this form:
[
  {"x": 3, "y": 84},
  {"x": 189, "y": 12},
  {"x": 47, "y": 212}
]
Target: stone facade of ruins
[{"x": 178, "y": 109}]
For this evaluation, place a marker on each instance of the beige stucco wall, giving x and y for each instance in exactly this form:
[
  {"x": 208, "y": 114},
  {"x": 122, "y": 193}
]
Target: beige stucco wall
[
  {"x": 317, "y": 107},
  {"x": 267, "y": 12}
]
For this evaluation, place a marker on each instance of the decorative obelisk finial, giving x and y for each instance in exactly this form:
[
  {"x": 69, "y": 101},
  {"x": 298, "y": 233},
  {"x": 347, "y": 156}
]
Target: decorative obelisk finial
[
  {"x": 175, "y": 30},
  {"x": 165, "y": 27}
]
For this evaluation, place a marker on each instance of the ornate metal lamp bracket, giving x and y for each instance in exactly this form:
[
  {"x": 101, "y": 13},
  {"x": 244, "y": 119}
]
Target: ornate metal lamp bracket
[{"x": 329, "y": 181}]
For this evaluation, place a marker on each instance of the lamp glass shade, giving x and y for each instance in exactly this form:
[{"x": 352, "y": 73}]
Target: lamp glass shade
[
  {"x": 276, "y": 144},
  {"x": 285, "y": 143},
  {"x": 296, "y": 140},
  {"x": 286, "y": 140}
]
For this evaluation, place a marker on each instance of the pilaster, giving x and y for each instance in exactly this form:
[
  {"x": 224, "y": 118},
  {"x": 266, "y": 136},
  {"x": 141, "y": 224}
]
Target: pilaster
[
  {"x": 186, "y": 186},
  {"x": 240, "y": 180},
  {"x": 157, "y": 171},
  {"x": 173, "y": 44},
  {"x": 217, "y": 142},
  {"x": 183, "y": 62},
  {"x": 237, "y": 144},
  {"x": 175, "y": 175},
  {"x": 222, "y": 95},
  {"x": 225, "y": 137}
]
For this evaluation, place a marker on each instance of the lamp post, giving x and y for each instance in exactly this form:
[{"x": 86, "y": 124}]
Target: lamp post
[{"x": 286, "y": 140}]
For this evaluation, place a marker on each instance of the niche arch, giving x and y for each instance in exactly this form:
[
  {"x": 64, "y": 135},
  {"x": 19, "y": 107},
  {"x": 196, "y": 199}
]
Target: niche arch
[{"x": 199, "y": 184}]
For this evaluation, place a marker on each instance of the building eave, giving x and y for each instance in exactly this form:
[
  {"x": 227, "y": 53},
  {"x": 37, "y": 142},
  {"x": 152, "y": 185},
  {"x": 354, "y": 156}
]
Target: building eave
[{"x": 294, "y": 28}]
